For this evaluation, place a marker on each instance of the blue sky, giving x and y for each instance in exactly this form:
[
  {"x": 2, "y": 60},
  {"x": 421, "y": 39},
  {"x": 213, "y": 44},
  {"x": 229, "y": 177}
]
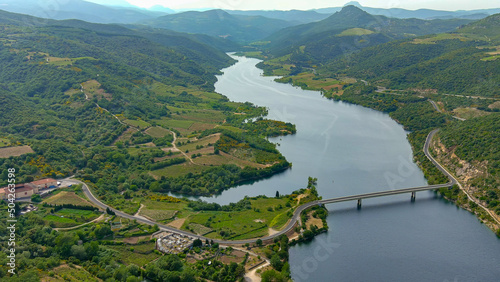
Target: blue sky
[{"x": 450, "y": 5}]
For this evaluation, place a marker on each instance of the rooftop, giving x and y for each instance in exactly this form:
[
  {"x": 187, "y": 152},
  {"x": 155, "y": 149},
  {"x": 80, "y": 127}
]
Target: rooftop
[{"x": 43, "y": 181}]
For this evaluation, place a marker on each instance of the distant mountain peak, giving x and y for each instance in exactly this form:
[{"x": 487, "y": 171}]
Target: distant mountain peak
[
  {"x": 353, "y": 3},
  {"x": 352, "y": 8},
  {"x": 352, "y": 14}
]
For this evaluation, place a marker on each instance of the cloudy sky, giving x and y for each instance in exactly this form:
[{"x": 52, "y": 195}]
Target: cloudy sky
[{"x": 450, "y": 5}]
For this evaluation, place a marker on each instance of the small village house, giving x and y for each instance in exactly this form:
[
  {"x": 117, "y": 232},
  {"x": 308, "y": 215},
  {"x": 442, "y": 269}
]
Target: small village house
[
  {"x": 44, "y": 183},
  {"x": 22, "y": 191}
]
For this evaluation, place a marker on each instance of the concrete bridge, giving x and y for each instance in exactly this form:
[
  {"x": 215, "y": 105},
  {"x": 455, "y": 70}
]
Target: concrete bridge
[
  {"x": 413, "y": 190},
  {"x": 360, "y": 197}
]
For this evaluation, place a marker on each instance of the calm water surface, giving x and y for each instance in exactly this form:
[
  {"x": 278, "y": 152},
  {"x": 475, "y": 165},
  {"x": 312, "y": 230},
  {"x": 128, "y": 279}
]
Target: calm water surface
[{"x": 352, "y": 150}]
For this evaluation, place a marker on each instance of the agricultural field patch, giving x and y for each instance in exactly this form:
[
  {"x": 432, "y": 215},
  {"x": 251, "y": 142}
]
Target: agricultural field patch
[
  {"x": 205, "y": 141},
  {"x": 92, "y": 88},
  {"x": 72, "y": 91},
  {"x": 231, "y": 128},
  {"x": 4, "y": 142},
  {"x": 355, "y": 32},
  {"x": 198, "y": 126},
  {"x": 199, "y": 229},
  {"x": 439, "y": 37},
  {"x": 65, "y": 197},
  {"x": 70, "y": 217},
  {"x": 178, "y": 124},
  {"x": 468, "y": 113},
  {"x": 312, "y": 81},
  {"x": 495, "y": 105},
  {"x": 491, "y": 58},
  {"x": 69, "y": 273},
  {"x": 137, "y": 254},
  {"x": 157, "y": 131},
  {"x": 58, "y": 61},
  {"x": 244, "y": 224},
  {"x": 66, "y": 222},
  {"x": 204, "y": 116},
  {"x": 75, "y": 212},
  {"x": 178, "y": 170},
  {"x": 15, "y": 151},
  {"x": 137, "y": 123},
  {"x": 224, "y": 158},
  {"x": 158, "y": 215},
  {"x": 126, "y": 135}
]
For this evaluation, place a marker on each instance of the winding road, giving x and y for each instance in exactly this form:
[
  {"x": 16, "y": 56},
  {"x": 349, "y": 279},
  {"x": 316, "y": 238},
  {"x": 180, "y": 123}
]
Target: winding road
[{"x": 298, "y": 210}]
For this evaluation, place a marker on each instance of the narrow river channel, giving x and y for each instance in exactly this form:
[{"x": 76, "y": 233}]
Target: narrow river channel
[{"x": 353, "y": 150}]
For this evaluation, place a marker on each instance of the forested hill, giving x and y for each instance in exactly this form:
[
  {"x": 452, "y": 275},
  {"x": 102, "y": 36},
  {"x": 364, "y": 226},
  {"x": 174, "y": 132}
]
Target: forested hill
[
  {"x": 205, "y": 51},
  {"x": 346, "y": 31},
  {"x": 105, "y": 103},
  {"x": 466, "y": 61},
  {"x": 46, "y": 64},
  {"x": 219, "y": 23}
]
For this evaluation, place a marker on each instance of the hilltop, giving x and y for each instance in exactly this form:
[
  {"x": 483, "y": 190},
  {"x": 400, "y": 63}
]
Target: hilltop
[{"x": 219, "y": 23}]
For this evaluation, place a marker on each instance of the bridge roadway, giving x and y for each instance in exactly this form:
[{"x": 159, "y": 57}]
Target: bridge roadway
[
  {"x": 291, "y": 223},
  {"x": 384, "y": 193}
]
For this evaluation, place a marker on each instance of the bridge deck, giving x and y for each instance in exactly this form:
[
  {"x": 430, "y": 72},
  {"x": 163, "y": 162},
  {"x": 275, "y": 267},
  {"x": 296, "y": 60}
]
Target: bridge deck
[{"x": 383, "y": 193}]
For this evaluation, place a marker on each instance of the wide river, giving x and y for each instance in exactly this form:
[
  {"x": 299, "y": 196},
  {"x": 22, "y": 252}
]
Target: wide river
[{"x": 353, "y": 150}]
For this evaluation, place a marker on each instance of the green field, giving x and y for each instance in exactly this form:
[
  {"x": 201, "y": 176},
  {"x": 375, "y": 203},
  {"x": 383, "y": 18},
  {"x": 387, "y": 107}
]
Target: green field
[
  {"x": 248, "y": 223},
  {"x": 76, "y": 212},
  {"x": 442, "y": 36},
  {"x": 179, "y": 170},
  {"x": 199, "y": 229},
  {"x": 67, "y": 273},
  {"x": 491, "y": 58},
  {"x": 66, "y": 197},
  {"x": 4, "y": 142},
  {"x": 312, "y": 82},
  {"x": 158, "y": 215},
  {"x": 201, "y": 142},
  {"x": 355, "y": 32},
  {"x": 70, "y": 217},
  {"x": 55, "y": 218},
  {"x": 185, "y": 124},
  {"x": 157, "y": 132},
  {"x": 137, "y": 123},
  {"x": 141, "y": 254}
]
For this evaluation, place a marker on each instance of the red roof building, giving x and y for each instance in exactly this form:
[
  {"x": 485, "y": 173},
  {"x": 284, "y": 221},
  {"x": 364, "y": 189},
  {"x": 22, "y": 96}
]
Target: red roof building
[
  {"x": 44, "y": 183},
  {"x": 21, "y": 191}
]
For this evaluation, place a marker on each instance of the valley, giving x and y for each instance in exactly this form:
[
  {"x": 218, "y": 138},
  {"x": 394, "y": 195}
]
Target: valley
[{"x": 156, "y": 132}]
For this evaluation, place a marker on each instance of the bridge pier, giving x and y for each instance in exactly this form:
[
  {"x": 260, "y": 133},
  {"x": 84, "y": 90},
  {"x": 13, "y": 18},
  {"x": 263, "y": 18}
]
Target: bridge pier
[
  {"x": 359, "y": 204},
  {"x": 413, "y": 195}
]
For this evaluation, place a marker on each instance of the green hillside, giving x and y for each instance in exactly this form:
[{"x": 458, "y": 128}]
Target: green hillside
[
  {"x": 462, "y": 62},
  {"x": 218, "y": 23},
  {"x": 103, "y": 102},
  {"x": 320, "y": 42}
]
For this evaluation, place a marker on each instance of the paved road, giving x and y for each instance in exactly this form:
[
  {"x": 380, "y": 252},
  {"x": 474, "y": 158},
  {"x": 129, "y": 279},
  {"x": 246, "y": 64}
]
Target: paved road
[
  {"x": 298, "y": 210},
  {"x": 435, "y": 106},
  {"x": 453, "y": 181},
  {"x": 439, "y": 110}
]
